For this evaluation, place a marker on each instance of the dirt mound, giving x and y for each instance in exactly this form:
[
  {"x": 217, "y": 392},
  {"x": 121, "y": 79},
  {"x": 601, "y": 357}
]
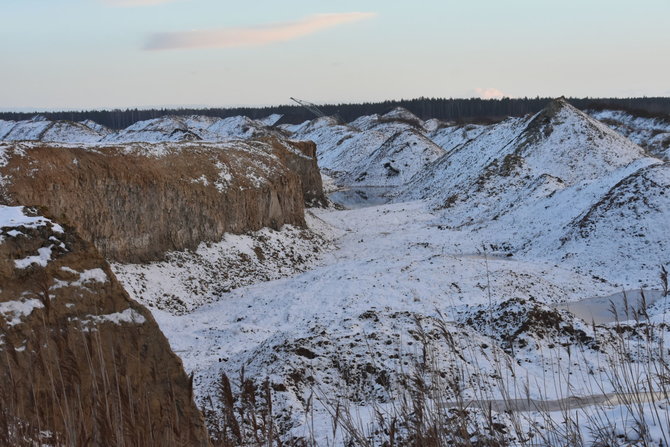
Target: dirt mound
[{"x": 520, "y": 324}]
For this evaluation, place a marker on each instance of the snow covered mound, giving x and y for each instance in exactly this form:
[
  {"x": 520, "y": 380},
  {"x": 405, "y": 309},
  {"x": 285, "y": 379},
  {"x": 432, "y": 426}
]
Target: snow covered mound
[
  {"x": 42, "y": 129},
  {"x": 25, "y": 130},
  {"x": 374, "y": 150},
  {"x": 651, "y": 133},
  {"x": 522, "y": 185},
  {"x": 628, "y": 226},
  {"x": 169, "y": 128},
  {"x": 190, "y": 128},
  {"x": 525, "y": 326},
  {"x": 157, "y": 130}
]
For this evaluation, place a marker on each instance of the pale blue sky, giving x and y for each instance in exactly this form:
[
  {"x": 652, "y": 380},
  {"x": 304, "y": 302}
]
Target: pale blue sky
[{"x": 96, "y": 53}]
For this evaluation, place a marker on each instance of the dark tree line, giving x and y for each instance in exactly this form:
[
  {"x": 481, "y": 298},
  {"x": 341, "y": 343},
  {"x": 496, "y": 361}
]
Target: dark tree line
[{"x": 459, "y": 110}]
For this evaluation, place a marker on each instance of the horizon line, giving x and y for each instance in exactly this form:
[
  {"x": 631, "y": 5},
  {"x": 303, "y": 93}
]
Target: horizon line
[{"x": 170, "y": 107}]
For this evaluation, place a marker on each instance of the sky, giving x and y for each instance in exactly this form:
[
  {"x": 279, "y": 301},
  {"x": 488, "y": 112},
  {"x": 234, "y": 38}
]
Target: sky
[{"x": 88, "y": 54}]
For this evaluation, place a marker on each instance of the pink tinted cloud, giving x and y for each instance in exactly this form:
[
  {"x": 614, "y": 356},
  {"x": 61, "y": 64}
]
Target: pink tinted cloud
[
  {"x": 252, "y": 36},
  {"x": 130, "y": 3},
  {"x": 489, "y": 93}
]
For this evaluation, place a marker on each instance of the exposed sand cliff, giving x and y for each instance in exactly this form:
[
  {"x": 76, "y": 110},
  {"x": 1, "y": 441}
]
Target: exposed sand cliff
[
  {"x": 137, "y": 202},
  {"x": 82, "y": 364}
]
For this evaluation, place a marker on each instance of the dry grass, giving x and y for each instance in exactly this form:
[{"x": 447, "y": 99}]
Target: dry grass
[{"x": 58, "y": 402}]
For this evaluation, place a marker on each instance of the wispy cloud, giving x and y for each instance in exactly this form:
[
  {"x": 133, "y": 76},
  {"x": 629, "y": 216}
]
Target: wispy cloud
[
  {"x": 252, "y": 36},
  {"x": 131, "y": 3},
  {"x": 489, "y": 93}
]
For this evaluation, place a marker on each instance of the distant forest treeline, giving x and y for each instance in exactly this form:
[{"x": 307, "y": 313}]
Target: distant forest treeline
[{"x": 459, "y": 110}]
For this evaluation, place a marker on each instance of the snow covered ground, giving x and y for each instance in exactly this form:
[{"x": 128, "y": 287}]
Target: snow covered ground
[
  {"x": 395, "y": 266},
  {"x": 485, "y": 259},
  {"x": 186, "y": 280}
]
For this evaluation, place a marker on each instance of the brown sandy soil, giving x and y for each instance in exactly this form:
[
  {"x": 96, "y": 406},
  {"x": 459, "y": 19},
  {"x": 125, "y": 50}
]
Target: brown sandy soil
[{"x": 81, "y": 363}]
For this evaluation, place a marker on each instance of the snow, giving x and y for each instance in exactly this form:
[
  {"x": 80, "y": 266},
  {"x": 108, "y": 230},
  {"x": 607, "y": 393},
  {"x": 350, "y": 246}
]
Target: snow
[
  {"x": 270, "y": 120},
  {"x": 92, "y": 275},
  {"x": 42, "y": 258},
  {"x": 130, "y": 316},
  {"x": 99, "y": 128},
  {"x": 5, "y": 127},
  {"x": 374, "y": 152},
  {"x": 224, "y": 177},
  {"x": 28, "y": 130},
  {"x": 157, "y": 130},
  {"x": 527, "y": 189},
  {"x": 392, "y": 263},
  {"x": 13, "y": 311},
  {"x": 187, "y": 280},
  {"x": 494, "y": 250},
  {"x": 189, "y": 128},
  {"x": 490, "y": 238},
  {"x": 65, "y": 131},
  {"x": 651, "y": 133},
  {"x": 15, "y": 216}
]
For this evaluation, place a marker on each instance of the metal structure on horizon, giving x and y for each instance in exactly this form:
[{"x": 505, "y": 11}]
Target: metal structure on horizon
[{"x": 315, "y": 109}]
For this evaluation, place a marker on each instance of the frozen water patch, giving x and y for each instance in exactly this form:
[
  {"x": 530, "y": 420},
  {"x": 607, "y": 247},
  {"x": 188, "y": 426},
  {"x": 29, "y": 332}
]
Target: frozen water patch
[
  {"x": 617, "y": 307},
  {"x": 361, "y": 196}
]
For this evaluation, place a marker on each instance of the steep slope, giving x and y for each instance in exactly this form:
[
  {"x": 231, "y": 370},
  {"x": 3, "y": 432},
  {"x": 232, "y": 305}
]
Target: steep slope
[
  {"x": 137, "y": 202},
  {"x": 521, "y": 184},
  {"x": 82, "y": 363},
  {"x": 186, "y": 280},
  {"x": 372, "y": 151},
  {"x": 630, "y": 224},
  {"x": 67, "y": 131},
  {"x": 449, "y": 137},
  {"x": 651, "y": 133},
  {"x": 102, "y": 130}
]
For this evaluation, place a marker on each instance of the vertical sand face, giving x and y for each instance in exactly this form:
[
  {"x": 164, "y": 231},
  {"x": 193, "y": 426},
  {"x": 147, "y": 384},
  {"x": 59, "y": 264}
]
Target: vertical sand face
[
  {"x": 82, "y": 364},
  {"x": 135, "y": 202}
]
